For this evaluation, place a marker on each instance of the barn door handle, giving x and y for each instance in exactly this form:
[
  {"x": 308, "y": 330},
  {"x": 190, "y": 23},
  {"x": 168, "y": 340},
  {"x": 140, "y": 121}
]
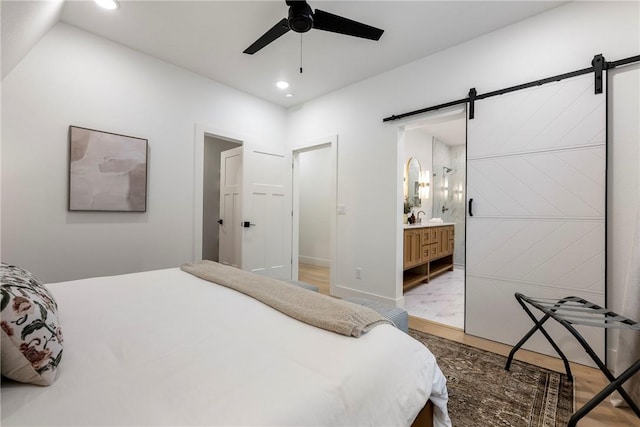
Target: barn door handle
[
  {"x": 247, "y": 224},
  {"x": 220, "y": 221},
  {"x": 470, "y": 207}
]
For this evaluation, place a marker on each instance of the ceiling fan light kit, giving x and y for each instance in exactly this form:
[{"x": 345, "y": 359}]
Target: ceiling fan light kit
[{"x": 302, "y": 19}]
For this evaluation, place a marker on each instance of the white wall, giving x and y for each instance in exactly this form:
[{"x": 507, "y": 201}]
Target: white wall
[
  {"x": 370, "y": 168},
  {"x": 315, "y": 201},
  {"x": 17, "y": 38},
  {"x": 623, "y": 174},
  {"x": 74, "y": 78}
]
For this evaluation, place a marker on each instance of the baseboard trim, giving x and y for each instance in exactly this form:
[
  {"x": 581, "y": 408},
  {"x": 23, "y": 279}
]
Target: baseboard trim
[
  {"x": 342, "y": 291},
  {"x": 320, "y": 262}
]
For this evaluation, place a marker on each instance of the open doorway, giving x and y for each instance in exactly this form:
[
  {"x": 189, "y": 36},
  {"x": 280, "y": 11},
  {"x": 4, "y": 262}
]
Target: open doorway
[
  {"x": 435, "y": 193},
  {"x": 314, "y": 210},
  {"x": 213, "y": 148}
]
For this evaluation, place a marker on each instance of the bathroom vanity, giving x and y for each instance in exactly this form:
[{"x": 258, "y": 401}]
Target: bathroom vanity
[{"x": 428, "y": 251}]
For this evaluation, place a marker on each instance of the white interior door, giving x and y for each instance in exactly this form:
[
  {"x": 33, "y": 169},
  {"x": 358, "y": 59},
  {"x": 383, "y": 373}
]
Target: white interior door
[
  {"x": 229, "y": 246},
  {"x": 266, "y": 231},
  {"x": 536, "y": 162}
]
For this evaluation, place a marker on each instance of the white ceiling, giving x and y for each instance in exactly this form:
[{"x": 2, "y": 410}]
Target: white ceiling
[{"x": 208, "y": 37}]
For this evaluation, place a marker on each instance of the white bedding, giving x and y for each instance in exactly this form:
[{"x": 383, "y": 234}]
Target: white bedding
[{"x": 166, "y": 348}]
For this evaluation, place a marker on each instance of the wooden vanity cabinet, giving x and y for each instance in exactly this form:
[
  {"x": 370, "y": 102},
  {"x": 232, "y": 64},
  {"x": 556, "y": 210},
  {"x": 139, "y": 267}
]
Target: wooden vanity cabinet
[
  {"x": 412, "y": 248},
  {"x": 428, "y": 251}
]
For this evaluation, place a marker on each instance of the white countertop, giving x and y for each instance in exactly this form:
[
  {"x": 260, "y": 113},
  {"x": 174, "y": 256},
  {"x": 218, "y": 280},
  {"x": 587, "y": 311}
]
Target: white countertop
[{"x": 426, "y": 224}]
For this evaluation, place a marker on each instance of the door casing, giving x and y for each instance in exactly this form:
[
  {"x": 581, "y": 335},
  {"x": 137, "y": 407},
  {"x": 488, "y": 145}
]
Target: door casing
[
  {"x": 249, "y": 144},
  {"x": 332, "y": 143}
]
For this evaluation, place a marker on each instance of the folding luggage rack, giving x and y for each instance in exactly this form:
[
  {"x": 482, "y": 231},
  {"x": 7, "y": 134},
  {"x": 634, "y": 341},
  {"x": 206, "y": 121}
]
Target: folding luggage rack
[{"x": 577, "y": 311}]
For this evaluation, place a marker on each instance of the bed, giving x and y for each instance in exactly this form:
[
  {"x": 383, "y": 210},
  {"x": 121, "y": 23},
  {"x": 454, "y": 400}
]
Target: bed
[{"x": 167, "y": 348}]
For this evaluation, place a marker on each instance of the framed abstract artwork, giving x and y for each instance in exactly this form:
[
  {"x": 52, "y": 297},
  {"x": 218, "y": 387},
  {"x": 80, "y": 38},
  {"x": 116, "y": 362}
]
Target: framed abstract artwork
[{"x": 107, "y": 171}]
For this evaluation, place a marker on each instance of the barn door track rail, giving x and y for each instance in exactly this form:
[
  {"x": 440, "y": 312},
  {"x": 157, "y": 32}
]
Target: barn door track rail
[{"x": 598, "y": 65}]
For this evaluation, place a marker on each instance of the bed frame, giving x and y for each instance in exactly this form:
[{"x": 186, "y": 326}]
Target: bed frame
[{"x": 425, "y": 416}]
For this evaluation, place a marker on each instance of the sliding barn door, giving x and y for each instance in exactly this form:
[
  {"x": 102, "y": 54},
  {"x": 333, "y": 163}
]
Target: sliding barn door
[{"x": 536, "y": 174}]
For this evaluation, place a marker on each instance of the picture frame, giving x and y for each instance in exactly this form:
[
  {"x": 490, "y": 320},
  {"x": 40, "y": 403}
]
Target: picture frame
[{"x": 107, "y": 171}]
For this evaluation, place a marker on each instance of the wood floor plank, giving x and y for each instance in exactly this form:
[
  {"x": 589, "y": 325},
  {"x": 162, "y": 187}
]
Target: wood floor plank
[{"x": 314, "y": 275}]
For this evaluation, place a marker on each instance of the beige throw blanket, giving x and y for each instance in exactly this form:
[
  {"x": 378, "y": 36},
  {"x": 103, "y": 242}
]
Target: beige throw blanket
[{"x": 306, "y": 306}]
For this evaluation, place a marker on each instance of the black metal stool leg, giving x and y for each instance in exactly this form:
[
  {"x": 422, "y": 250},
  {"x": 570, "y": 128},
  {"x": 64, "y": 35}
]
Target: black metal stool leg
[
  {"x": 598, "y": 398},
  {"x": 523, "y": 340},
  {"x": 560, "y": 313},
  {"x": 538, "y": 325},
  {"x": 603, "y": 368}
]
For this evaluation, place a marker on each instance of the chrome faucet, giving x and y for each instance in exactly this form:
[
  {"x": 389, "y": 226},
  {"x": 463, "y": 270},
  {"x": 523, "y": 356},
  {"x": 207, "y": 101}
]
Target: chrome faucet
[{"x": 419, "y": 220}]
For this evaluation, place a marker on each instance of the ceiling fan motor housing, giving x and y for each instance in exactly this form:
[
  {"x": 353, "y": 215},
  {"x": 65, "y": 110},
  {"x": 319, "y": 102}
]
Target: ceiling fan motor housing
[{"x": 300, "y": 17}]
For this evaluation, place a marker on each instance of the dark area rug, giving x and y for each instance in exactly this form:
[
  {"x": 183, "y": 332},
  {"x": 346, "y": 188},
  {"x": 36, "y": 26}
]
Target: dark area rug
[{"x": 482, "y": 393}]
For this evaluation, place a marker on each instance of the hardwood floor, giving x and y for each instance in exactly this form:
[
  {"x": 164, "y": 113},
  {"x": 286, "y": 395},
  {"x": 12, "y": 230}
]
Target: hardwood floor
[
  {"x": 588, "y": 381},
  {"x": 314, "y": 275}
]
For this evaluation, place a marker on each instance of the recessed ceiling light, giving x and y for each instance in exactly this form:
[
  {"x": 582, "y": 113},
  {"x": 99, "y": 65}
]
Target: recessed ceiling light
[
  {"x": 289, "y": 95},
  {"x": 282, "y": 84},
  {"x": 108, "y": 4}
]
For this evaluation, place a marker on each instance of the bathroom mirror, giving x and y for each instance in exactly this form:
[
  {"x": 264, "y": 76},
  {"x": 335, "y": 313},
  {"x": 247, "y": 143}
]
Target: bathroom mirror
[{"x": 413, "y": 182}]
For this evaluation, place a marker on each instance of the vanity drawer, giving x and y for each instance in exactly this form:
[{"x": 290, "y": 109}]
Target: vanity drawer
[
  {"x": 429, "y": 236},
  {"x": 429, "y": 251}
]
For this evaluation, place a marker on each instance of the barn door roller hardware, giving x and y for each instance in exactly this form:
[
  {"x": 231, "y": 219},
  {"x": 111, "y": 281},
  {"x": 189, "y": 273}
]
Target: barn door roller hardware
[
  {"x": 472, "y": 100},
  {"x": 598, "y": 64}
]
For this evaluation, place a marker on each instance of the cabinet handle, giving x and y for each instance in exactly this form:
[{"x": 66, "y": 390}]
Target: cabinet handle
[{"x": 470, "y": 207}]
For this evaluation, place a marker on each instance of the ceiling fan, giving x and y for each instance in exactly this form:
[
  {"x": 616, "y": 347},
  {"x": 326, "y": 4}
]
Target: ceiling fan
[{"x": 301, "y": 19}]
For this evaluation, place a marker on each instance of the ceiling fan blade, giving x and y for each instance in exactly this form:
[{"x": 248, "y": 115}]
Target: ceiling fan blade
[
  {"x": 337, "y": 24},
  {"x": 282, "y": 27}
]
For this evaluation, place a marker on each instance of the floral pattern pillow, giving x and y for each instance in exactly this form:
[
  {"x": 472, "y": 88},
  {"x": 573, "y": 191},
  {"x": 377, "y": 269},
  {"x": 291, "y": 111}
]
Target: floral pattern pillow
[{"x": 31, "y": 334}]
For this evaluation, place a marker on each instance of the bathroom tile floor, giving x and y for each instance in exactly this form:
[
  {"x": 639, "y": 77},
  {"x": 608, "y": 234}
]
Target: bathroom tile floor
[{"x": 441, "y": 300}]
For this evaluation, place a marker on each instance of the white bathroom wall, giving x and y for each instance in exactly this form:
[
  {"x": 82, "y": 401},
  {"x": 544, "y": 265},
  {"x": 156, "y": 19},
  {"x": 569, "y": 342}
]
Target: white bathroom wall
[
  {"x": 370, "y": 168},
  {"x": 74, "y": 78},
  {"x": 315, "y": 215},
  {"x": 418, "y": 144},
  {"x": 453, "y": 157}
]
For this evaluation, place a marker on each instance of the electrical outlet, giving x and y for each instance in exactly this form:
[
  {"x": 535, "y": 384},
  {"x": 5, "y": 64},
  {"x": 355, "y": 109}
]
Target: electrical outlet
[
  {"x": 342, "y": 209},
  {"x": 358, "y": 273}
]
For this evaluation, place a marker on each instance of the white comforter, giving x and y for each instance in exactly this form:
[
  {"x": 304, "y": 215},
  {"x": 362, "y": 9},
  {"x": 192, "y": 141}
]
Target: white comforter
[{"x": 166, "y": 348}]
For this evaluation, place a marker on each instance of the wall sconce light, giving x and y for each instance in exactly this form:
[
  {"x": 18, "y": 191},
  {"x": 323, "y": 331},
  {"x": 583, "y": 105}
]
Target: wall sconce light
[
  {"x": 458, "y": 192},
  {"x": 445, "y": 188},
  {"x": 424, "y": 185}
]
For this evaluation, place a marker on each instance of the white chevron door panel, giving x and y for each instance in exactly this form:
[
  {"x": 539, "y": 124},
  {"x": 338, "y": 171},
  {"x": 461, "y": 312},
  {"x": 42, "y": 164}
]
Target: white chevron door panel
[
  {"x": 536, "y": 171},
  {"x": 548, "y": 184},
  {"x": 561, "y": 254},
  {"x": 495, "y": 303},
  {"x": 556, "y": 115}
]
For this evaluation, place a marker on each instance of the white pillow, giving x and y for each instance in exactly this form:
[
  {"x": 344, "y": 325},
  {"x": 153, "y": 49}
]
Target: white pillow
[{"x": 31, "y": 333}]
